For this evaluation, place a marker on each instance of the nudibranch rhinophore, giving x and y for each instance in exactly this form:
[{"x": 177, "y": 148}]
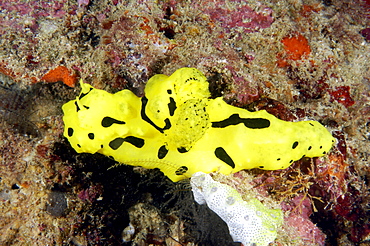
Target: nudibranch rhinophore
[{"x": 176, "y": 127}]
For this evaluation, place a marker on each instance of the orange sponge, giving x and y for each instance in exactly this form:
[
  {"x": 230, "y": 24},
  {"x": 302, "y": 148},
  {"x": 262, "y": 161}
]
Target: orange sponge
[
  {"x": 295, "y": 48},
  {"x": 60, "y": 73}
]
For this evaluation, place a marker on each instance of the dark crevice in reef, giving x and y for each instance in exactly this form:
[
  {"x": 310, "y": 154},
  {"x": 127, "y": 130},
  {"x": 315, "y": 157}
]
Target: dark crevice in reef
[
  {"x": 20, "y": 106},
  {"x": 121, "y": 189},
  {"x": 218, "y": 85}
]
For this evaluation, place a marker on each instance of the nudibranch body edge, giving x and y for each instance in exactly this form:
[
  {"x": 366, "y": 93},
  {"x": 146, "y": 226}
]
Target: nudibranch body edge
[{"x": 176, "y": 127}]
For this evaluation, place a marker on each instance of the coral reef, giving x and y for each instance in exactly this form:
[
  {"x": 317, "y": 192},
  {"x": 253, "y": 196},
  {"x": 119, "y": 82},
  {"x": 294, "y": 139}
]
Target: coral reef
[{"x": 299, "y": 60}]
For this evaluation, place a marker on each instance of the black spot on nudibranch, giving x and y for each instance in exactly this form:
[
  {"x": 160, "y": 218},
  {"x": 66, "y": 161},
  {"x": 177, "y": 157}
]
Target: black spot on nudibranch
[
  {"x": 77, "y": 107},
  {"x": 254, "y": 123},
  {"x": 309, "y": 148},
  {"x": 116, "y": 143},
  {"x": 169, "y": 92},
  {"x": 261, "y": 166},
  {"x": 137, "y": 142},
  {"x": 223, "y": 156},
  {"x": 84, "y": 94},
  {"x": 181, "y": 170},
  {"x": 144, "y": 102},
  {"x": 70, "y": 132},
  {"x": 109, "y": 121},
  {"x": 191, "y": 78},
  {"x": 162, "y": 152},
  {"x": 172, "y": 106},
  {"x": 295, "y": 144},
  {"x": 182, "y": 150},
  {"x": 91, "y": 136}
]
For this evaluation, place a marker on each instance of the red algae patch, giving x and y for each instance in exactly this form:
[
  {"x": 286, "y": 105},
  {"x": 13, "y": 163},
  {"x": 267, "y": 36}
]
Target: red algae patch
[
  {"x": 342, "y": 95},
  {"x": 295, "y": 48}
]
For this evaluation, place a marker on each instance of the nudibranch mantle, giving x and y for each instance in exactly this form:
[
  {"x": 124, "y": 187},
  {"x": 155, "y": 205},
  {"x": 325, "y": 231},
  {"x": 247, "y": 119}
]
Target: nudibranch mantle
[{"x": 176, "y": 127}]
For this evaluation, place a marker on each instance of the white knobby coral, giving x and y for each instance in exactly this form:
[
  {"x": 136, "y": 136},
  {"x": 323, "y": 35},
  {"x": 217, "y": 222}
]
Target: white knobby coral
[{"x": 249, "y": 222}]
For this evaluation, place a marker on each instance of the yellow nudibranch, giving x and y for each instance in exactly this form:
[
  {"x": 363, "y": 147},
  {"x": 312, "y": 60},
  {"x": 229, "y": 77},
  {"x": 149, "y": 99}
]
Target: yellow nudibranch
[{"x": 176, "y": 127}]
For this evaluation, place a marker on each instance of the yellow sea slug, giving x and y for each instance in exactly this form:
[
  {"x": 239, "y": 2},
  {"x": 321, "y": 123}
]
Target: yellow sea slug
[{"x": 176, "y": 127}]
